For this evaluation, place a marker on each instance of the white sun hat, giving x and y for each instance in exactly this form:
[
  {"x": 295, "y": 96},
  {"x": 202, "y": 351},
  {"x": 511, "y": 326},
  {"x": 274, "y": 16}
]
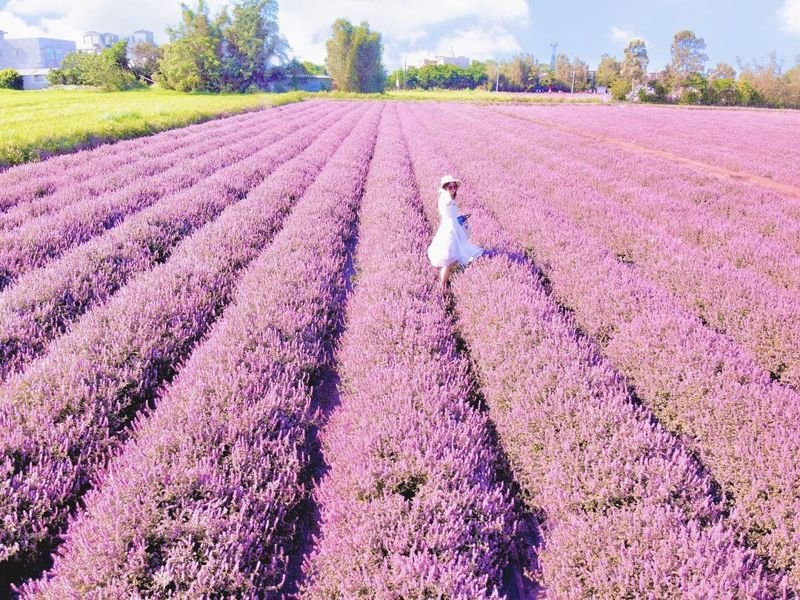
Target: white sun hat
[{"x": 448, "y": 179}]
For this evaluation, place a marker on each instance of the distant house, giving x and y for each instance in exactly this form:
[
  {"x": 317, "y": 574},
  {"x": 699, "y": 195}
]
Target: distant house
[
  {"x": 94, "y": 41},
  {"x": 141, "y": 35},
  {"x": 33, "y": 57}
]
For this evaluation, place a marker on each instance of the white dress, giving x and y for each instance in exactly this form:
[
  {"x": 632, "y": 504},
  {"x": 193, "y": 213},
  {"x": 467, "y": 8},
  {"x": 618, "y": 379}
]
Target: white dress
[{"x": 451, "y": 242}]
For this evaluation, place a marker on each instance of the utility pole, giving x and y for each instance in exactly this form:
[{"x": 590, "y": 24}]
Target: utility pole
[
  {"x": 573, "y": 80},
  {"x": 497, "y": 81}
]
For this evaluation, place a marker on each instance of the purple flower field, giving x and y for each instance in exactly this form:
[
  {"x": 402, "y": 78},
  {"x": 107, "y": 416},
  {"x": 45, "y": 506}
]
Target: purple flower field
[{"x": 227, "y": 369}]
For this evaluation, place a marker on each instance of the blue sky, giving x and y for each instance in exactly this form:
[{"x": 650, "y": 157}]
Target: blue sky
[{"x": 480, "y": 29}]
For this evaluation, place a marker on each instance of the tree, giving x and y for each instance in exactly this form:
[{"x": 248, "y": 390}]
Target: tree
[
  {"x": 476, "y": 74},
  {"x": 196, "y": 23},
  {"x": 251, "y": 42},
  {"x": 521, "y": 73},
  {"x": 687, "y": 54},
  {"x": 620, "y": 88},
  {"x": 792, "y": 85},
  {"x": 495, "y": 79},
  {"x": 314, "y": 69},
  {"x": 191, "y": 64},
  {"x": 722, "y": 71},
  {"x": 563, "y": 71},
  {"x": 191, "y": 60},
  {"x": 634, "y": 65},
  {"x": 724, "y": 91},
  {"x": 765, "y": 79},
  {"x": 107, "y": 70},
  {"x": 608, "y": 71},
  {"x": 695, "y": 89},
  {"x": 10, "y": 79},
  {"x": 144, "y": 60},
  {"x": 656, "y": 90},
  {"x": 580, "y": 70},
  {"x": 354, "y": 58}
]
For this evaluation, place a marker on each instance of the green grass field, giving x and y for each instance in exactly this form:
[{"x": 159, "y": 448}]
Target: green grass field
[{"x": 37, "y": 124}]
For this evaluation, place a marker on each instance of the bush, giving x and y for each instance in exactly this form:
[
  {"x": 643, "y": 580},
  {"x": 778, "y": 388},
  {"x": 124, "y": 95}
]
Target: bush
[
  {"x": 620, "y": 89},
  {"x": 655, "y": 91},
  {"x": 107, "y": 70},
  {"x": 10, "y": 79}
]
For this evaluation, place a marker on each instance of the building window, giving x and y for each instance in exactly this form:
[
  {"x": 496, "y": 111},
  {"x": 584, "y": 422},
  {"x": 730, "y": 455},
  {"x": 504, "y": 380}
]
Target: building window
[{"x": 38, "y": 78}]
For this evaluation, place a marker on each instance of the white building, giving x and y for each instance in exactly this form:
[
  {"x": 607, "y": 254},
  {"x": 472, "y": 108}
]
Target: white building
[
  {"x": 141, "y": 35},
  {"x": 462, "y": 62},
  {"x": 33, "y": 57},
  {"x": 94, "y": 41}
]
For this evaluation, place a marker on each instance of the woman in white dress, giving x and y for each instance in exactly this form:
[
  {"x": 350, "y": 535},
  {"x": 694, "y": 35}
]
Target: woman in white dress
[{"x": 450, "y": 245}]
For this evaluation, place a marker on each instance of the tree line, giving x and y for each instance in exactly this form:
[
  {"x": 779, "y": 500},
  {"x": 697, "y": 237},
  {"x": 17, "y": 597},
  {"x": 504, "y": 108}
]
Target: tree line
[
  {"x": 239, "y": 49},
  {"x": 523, "y": 73},
  {"x": 686, "y": 80}
]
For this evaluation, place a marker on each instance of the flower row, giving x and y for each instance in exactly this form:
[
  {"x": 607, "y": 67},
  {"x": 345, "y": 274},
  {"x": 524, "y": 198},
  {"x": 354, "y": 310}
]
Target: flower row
[
  {"x": 42, "y": 303},
  {"x": 696, "y": 381},
  {"x": 62, "y": 417},
  {"x": 203, "y": 499},
  {"x": 411, "y": 504}
]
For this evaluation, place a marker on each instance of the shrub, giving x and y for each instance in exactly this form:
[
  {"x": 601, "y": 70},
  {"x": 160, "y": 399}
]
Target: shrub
[
  {"x": 10, "y": 79},
  {"x": 108, "y": 70},
  {"x": 620, "y": 89}
]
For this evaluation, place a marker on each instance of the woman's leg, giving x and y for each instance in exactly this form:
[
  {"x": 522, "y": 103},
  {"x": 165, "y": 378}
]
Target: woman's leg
[{"x": 444, "y": 274}]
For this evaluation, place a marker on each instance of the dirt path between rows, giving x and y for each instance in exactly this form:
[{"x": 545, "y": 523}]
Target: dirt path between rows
[{"x": 786, "y": 189}]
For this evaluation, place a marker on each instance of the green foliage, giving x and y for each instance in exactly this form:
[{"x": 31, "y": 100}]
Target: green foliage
[
  {"x": 313, "y": 69},
  {"x": 687, "y": 54},
  {"x": 620, "y": 89},
  {"x": 655, "y": 91},
  {"x": 634, "y": 66},
  {"x": 749, "y": 95},
  {"x": 695, "y": 89},
  {"x": 251, "y": 42},
  {"x": 107, "y": 70},
  {"x": 608, "y": 70},
  {"x": 144, "y": 61},
  {"x": 354, "y": 58},
  {"x": 722, "y": 71},
  {"x": 191, "y": 64},
  {"x": 792, "y": 86},
  {"x": 232, "y": 52},
  {"x": 563, "y": 72},
  {"x": 10, "y": 79},
  {"x": 439, "y": 77},
  {"x": 723, "y": 92}
]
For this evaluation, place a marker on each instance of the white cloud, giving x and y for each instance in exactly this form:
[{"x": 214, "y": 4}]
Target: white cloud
[
  {"x": 69, "y": 20},
  {"x": 479, "y": 26},
  {"x": 407, "y": 22},
  {"x": 789, "y": 14},
  {"x": 623, "y": 35}
]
